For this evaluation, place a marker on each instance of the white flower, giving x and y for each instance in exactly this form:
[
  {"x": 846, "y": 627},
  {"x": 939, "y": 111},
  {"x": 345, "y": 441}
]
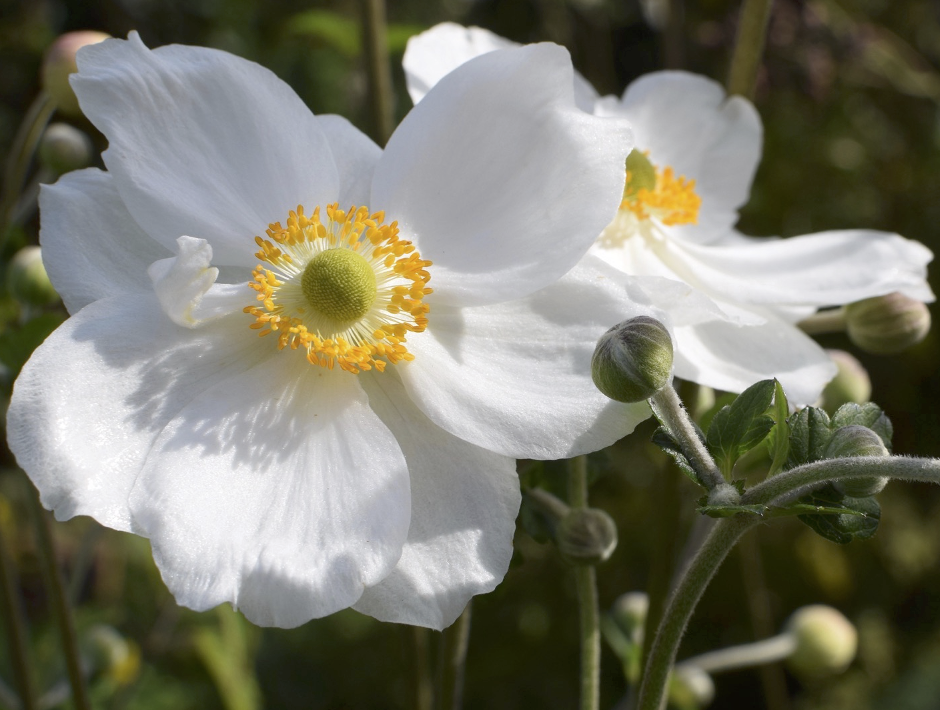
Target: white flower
[
  {"x": 697, "y": 151},
  {"x": 359, "y": 454}
]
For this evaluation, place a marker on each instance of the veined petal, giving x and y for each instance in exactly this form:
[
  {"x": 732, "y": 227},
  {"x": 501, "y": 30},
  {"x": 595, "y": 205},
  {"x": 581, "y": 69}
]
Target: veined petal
[
  {"x": 278, "y": 490},
  {"x": 202, "y": 142},
  {"x": 464, "y": 505},
  {"x": 91, "y": 246},
  {"x": 355, "y": 155},
  {"x": 499, "y": 179},
  {"x": 515, "y": 377}
]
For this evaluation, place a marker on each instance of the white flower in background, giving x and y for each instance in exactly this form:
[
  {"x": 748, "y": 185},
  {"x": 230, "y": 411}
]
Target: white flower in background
[
  {"x": 359, "y": 454},
  {"x": 697, "y": 151}
]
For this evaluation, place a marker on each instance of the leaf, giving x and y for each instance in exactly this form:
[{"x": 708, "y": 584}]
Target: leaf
[
  {"x": 740, "y": 426},
  {"x": 809, "y": 436},
  {"x": 869, "y": 415},
  {"x": 858, "y": 521},
  {"x": 664, "y": 440},
  {"x": 780, "y": 435}
]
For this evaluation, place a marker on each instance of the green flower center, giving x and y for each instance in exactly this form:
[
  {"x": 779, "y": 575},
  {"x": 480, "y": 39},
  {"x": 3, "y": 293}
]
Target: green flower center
[{"x": 339, "y": 284}]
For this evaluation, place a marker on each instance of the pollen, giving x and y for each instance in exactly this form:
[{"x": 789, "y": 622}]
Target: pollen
[
  {"x": 345, "y": 291},
  {"x": 653, "y": 192}
]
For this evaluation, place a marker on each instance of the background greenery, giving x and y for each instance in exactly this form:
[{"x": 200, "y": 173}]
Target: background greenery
[{"x": 849, "y": 96}]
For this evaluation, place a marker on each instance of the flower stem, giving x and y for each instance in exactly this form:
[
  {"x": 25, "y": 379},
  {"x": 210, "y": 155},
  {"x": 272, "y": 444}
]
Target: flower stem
[
  {"x": 586, "y": 581},
  {"x": 747, "y": 655},
  {"x": 375, "y": 41},
  {"x": 421, "y": 655},
  {"x": 684, "y": 599},
  {"x": 57, "y": 596},
  {"x": 669, "y": 410},
  {"x": 829, "y": 321},
  {"x": 456, "y": 640},
  {"x": 16, "y": 631},
  {"x": 748, "y": 47}
]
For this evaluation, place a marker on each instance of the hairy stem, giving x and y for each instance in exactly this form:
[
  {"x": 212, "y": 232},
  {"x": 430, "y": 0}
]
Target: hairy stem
[
  {"x": 829, "y": 321},
  {"x": 771, "y": 650},
  {"x": 748, "y": 47},
  {"x": 669, "y": 410},
  {"x": 586, "y": 580}
]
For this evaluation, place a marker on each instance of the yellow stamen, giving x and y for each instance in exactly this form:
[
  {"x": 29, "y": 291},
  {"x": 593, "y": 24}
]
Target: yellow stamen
[{"x": 672, "y": 200}]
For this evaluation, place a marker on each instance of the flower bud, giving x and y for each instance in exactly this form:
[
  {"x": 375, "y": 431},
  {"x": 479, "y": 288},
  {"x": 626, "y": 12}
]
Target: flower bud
[
  {"x": 886, "y": 325},
  {"x": 851, "y": 383},
  {"x": 59, "y": 62},
  {"x": 64, "y": 148},
  {"x": 826, "y": 641},
  {"x": 27, "y": 280},
  {"x": 857, "y": 440},
  {"x": 586, "y": 536},
  {"x": 633, "y": 360},
  {"x": 691, "y": 687},
  {"x": 629, "y": 611},
  {"x": 112, "y": 655}
]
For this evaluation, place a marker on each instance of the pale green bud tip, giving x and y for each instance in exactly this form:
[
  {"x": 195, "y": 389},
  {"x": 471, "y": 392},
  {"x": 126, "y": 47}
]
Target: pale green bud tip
[
  {"x": 886, "y": 325},
  {"x": 586, "y": 536},
  {"x": 691, "y": 687},
  {"x": 826, "y": 642},
  {"x": 64, "y": 148},
  {"x": 59, "y": 62},
  {"x": 27, "y": 280},
  {"x": 851, "y": 383},
  {"x": 629, "y": 612},
  {"x": 633, "y": 360},
  {"x": 857, "y": 440}
]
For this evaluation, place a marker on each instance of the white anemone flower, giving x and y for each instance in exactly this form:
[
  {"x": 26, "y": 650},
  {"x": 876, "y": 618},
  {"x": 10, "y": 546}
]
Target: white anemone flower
[
  {"x": 697, "y": 151},
  {"x": 426, "y": 310}
]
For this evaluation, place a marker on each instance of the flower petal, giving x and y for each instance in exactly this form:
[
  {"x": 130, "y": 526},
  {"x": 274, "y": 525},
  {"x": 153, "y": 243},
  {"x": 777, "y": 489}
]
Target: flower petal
[
  {"x": 499, "y": 179},
  {"x": 515, "y": 377},
  {"x": 464, "y": 505},
  {"x": 356, "y": 156},
  {"x": 203, "y": 143},
  {"x": 91, "y": 246},
  {"x": 278, "y": 490}
]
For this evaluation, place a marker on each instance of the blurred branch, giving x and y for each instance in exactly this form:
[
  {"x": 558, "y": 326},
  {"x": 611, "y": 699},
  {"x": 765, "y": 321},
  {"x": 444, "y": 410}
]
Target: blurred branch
[
  {"x": 15, "y": 630},
  {"x": 378, "y": 68},
  {"x": 455, "y": 641},
  {"x": 748, "y": 47}
]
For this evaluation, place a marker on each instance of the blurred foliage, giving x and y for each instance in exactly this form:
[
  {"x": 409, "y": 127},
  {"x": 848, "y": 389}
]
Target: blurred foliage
[{"x": 849, "y": 95}]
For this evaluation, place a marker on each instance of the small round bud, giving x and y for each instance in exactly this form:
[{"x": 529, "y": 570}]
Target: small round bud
[
  {"x": 629, "y": 611},
  {"x": 586, "y": 536},
  {"x": 64, "y": 148},
  {"x": 851, "y": 383},
  {"x": 826, "y": 641},
  {"x": 633, "y": 360},
  {"x": 27, "y": 280},
  {"x": 59, "y": 62},
  {"x": 691, "y": 687},
  {"x": 112, "y": 654},
  {"x": 886, "y": 325},
  {"x": 857, "y": 440}
]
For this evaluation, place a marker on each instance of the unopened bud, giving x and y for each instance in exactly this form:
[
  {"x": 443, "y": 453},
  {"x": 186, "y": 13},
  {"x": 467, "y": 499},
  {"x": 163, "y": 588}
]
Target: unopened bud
[
  {"x": 629, "y": 611},
  {"x": 826, "y": 641},
  {"x": 27, "y": 280},
  {"x": 586, "y": 536},
  {"x": 64, "y": 148},
  {"x": 886, "y": 325},
  {"x": 112, "y": 654},
  {"x": 857, "y": 440},
  {"x": 633, "y": 360},
  {"x": 59, "y": 62},
  {"x": 851, "y": 383},
  {"x": 691, "y": 687}
]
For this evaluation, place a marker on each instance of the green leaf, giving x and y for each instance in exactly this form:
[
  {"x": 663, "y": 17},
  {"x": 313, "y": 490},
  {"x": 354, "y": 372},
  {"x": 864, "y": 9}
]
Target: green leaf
[
  {"x": 17, "y": 344},
  {"x": 664, "y": 440},
  {"x": 809, "y": 434},
  {"x": 869, "y": 415},
  {"x": 858, "y": 520},
  {"x": 740, "y": 426},
  {"x": 780, "y": 434}
]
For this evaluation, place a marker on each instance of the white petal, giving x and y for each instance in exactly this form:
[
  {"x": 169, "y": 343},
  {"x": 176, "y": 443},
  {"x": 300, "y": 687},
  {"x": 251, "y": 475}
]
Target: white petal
[
  {"x": 730, "y": 357},
  {"x": 278, "y": 490},
  {"x": 499, "y": 179},
  {"x": 93, "y": 397},
  {"x": 91, "y": 246},
  {"x": 515, "y": 377},
  {"x": 355, "y": 155},
  {"x": 464, "y": 502},
  {"x": 203, "y": 143}
]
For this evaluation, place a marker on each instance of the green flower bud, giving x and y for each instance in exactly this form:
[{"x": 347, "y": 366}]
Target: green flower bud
[
  {"x": 27, "y": 280},
  {"x": 886, "y": 325},
  {"x": 586, "y": 536},
  {"x": 629, "y": 611},
  {"x": 64, "y": 148},
  {"x": 691, "y": 687},
  {"x": 59, "y": 62},
  {"x": 857, "y": 440},
  {"x": 851, "y": 383},
  {"x": 112, "y": 655},
  {"x": 826, "y": 642},
  {"x": 633, "y": 360}
]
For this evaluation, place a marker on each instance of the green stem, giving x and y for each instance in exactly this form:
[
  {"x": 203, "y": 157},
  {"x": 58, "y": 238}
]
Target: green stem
[
  {"x": 456, "y": 640},
  {"x": 830, "y": 321},
  {"x": 16, "y": 630},
  {"x": 586, "y": 581},
  {"x": 421, "y": 654},
  {"x": 748, "y": 655},
  {"x": 748, "y": 47},
  {"x": 669, "y": 410},
  {"x": 683, "y": 602},
  {"x": 60, "y": 604},
  {"x": 379, "y": 68}
]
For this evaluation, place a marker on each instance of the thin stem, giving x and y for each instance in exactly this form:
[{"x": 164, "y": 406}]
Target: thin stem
[
  {"x": 748, "y": 655},
  {"x": 586, "y": 581},
  {"x": 672, "y": 35},
  {"x": 421, "y": 653},
  {"x": 683, "y": 602},
  {"x": 16, "y": 630},
  {"x": 748, "y": 47},
  {"x": 57, "y": 596},
  {"x": 669, "y": 410},
  {"x": 456, "y": 640},
  {"x": 830, "y": 321},
  {"x": 379, "y": 68}
]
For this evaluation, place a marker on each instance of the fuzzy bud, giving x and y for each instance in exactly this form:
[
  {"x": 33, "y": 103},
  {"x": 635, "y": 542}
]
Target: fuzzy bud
[
  {"x": 691, "y": 687},
  {"x": 886, "y": 325},
  {"x": 851, "y": 383},
  {"x": 857, "y": 440},
  {"x": 27, "y": 280},
  {"x": 629, "y": 611},
  {"x": 64, "y": 148},
  {"x": 586, "y": 536},
  {"x": 59, "y": 62},
  {"x": 826, "y": 642},
  {"x": 633, "y": 360}
]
